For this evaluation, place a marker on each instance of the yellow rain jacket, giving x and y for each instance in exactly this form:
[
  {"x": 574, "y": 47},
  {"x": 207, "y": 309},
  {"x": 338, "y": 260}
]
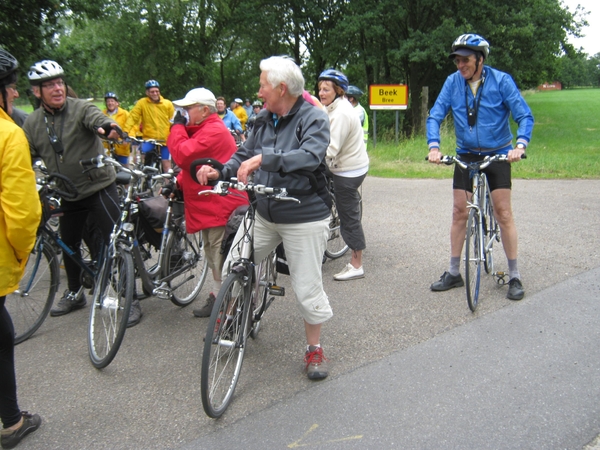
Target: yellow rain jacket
[
  {"x": 154, "y": 118},
  {"x": 20, "y": 207},
  {"x": 120, "y": 117}
]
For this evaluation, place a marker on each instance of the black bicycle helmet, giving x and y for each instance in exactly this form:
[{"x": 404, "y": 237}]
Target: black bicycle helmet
[
  {"x": 336, "y": 76},
  {"x": 43, "y": 71},
  {"x": 8, "y": 66},
  {"x": 111, "y": 95},
  {"x": 151, "y": 84},
  {"x": 353, "y": 91}
]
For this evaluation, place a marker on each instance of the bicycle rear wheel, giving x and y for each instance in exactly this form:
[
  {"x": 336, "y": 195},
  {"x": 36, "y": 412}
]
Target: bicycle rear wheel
[
  {"x": 184, "y": 255},
  {"x": 225, "y": 345},
  {"x": 473, "y": 259},
  {"x": 29, "y": 305},
  {"x": 491, "y": 231},
  {"x": 109, "y": 313},
  {"x": 336, "y": 247}
]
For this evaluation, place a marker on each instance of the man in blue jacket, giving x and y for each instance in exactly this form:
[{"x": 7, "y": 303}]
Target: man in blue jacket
[{"x": 481, "y": 99}]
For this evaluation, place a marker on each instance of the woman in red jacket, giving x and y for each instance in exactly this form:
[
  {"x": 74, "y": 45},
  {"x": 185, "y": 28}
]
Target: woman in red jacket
[{"x": 200, "y": 133}]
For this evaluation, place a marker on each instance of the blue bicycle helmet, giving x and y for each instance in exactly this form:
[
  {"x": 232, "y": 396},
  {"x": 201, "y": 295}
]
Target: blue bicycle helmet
[
  {"x": 353, "y": 91},
  {"x": 111, "y": 95},
  {"x": 151, "y": 84},
  {"x": 336, "y": 76},
  {"x": 472, "y": 42}
]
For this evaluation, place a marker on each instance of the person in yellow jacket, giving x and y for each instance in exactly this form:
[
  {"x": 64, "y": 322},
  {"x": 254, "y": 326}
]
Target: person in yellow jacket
[
  {"x": 240, "y": 112},
  {"x": 20, "y": 214},
  {"x": 119, "y": 115},
  {"x": 154, "y": 114}
]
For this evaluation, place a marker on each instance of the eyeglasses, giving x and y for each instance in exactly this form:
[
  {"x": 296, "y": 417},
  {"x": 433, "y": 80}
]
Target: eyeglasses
[
  {"x": 12, "y": 86},
  {"x": 53, "y": 84},
  {"x": 464, "y": 60}
]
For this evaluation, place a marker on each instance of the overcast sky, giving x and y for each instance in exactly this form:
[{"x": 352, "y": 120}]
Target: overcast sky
[{"x": 591, "y": 41}]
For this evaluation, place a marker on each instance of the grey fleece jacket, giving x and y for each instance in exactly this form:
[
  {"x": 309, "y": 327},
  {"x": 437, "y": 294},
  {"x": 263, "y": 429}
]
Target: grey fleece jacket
[
  {"x": 298, "y": 141},
  {"x": 75, "y": 125}
]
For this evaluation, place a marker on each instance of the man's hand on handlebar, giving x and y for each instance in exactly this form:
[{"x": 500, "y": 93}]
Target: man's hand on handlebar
[
  {"x": 248, "y": 167},
  {"x": 435, "y": 156},
  {"x": 515, "y": 154},
  {"x": 111, "y": 131},
  {"x": 207, "y": 173}
]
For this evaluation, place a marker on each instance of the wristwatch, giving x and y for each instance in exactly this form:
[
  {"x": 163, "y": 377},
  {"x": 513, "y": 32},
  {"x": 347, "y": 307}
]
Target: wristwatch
[{"x": 520, "y": 146}]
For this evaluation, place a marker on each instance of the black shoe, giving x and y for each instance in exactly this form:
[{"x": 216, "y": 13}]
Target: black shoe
[
  {"x": 135, "y": 314},
  {"x": 515, "y": 289},
  {"x": 69, "y": 302},
  {"x": 31, "y": 422},
  {"x": 207, "y": 308},
  {"x": 447, "y": 281}
]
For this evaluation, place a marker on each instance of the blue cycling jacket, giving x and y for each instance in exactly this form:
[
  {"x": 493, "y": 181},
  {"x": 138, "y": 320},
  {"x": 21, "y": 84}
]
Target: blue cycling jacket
[
  {"x": 498, "y": 97},
  {"x": 231, "y": 121}
]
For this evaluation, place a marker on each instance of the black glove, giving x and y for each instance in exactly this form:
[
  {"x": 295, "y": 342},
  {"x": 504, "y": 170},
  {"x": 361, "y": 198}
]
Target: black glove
[
  {"x": 179, "y": 119},
  {"x": 167, "y": 189}
]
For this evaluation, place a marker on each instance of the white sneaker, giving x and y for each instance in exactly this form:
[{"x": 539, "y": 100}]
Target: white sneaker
[{"x": 349, "y": 273}]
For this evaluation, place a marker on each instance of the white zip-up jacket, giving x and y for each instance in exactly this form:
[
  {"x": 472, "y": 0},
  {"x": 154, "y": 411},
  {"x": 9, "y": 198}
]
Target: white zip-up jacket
[{"x": 346, "y": 151}]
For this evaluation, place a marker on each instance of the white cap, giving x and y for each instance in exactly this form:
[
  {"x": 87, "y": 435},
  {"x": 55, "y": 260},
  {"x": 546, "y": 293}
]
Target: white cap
[
  {"x": 200, "y": 96},
  {"x": 239, "y": 100}
]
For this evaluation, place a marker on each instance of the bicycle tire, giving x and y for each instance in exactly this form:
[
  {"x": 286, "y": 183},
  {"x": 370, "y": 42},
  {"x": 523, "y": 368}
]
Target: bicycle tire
[
  {"x": 225, "y": 344},
  {"x": 473, "y": 260},
  {"x": 185, "y": 253},
  {"x": 109, "y": 313},
  {"x": 42, "y": 275},
  {"x": 266, "y": 276},
  {"x": 336, "y": 247},
  {"x": 492, "y": 230}
]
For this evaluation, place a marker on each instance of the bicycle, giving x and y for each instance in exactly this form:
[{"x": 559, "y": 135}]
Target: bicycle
[
  {"x": 482, "y": 227},
  {"x": 30, "y": 304},
  {"x": 180, "y": 260},
  {"x": 241, "y": 303},
  {"x": 148, "y": 158},
  {"x": 336, "y": 247}
]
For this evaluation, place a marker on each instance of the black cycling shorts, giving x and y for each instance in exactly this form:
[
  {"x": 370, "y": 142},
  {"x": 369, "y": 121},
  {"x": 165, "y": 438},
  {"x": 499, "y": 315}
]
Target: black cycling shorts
[{"x": 498, "y": 174}]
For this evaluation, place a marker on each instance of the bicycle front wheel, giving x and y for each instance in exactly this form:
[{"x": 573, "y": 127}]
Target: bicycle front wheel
[
  {"x": 473, "y": 259},
  {"x": 184, "y": 256},
  {"x": 225, "y": 345},
  {"x": 29, "y": 305},
  {"x": 113, "y": 294},
  {"x": 336, "y": 247}
]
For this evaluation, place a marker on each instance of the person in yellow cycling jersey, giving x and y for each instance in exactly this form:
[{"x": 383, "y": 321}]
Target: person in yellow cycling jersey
[
  {"x": 240, "y": 112},
  {"x": 154, "y": 113},
  {"x": 119, "y": 115}
]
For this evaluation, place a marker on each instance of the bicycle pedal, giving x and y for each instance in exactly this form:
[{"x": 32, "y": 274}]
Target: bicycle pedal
[
  {"x": 500, "y": 278},
  {"x": 279, "y": 291}
]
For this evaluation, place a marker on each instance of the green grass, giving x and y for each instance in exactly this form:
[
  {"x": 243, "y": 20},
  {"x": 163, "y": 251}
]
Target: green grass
[{"x": 565, "y": 142}]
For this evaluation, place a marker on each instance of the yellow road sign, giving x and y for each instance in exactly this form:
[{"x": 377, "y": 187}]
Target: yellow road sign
[{"x": 388, "y": 96}]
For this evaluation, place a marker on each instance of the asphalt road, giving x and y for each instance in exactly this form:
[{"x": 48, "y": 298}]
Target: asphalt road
[{"x": 149, "y": 396}]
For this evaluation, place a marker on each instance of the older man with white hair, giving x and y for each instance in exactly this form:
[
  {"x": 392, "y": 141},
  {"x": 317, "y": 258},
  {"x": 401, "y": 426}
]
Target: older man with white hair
[{"x": 289, "y": 135}]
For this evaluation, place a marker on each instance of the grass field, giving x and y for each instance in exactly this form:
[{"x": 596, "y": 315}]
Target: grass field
[{"x": 565, "y": 142}]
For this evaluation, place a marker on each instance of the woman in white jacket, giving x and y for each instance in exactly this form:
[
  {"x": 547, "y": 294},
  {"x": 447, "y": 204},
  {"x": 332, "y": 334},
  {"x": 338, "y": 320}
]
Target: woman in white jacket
[{"x": 348, "y": 162}]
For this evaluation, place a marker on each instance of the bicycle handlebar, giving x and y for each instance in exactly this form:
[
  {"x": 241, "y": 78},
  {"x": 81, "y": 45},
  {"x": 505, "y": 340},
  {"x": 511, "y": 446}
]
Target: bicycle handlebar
[
  {"x": 222, "y": 188},
  {"x": 449, "y": 160},
  {"x": 71, "y": 194}
]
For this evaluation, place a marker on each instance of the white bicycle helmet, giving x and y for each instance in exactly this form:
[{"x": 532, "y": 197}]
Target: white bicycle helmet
[
  {"x": 44, "y": 70},
  {"x": 472, "y": 42}
]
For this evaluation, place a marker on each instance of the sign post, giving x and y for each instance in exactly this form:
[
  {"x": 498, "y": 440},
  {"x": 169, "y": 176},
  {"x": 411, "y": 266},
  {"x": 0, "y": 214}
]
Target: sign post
[{"x": 387, "y": 97}]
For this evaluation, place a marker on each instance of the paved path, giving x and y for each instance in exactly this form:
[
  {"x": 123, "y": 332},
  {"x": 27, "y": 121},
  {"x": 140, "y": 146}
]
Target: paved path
[{"x": 149, "y": 396}]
